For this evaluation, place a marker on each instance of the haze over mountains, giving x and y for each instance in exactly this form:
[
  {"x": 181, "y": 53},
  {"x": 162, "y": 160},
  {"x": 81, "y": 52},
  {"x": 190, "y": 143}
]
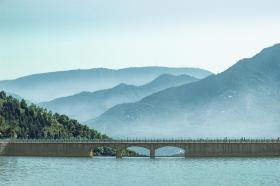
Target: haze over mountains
[
  {"x": 87, "y": 105},
  {"x": 243, "y": 101},
  {"x": 48, "y": 86}
]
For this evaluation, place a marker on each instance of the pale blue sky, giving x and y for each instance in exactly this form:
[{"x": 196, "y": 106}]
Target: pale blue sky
[{"x": 51, "y": 35}]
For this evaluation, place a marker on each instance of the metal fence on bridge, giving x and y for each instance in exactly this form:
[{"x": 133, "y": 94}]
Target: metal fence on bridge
[{"x": 145, "y": 140}]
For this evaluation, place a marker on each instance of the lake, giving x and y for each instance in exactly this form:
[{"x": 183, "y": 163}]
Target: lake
[{"x": 29, "y": 171}]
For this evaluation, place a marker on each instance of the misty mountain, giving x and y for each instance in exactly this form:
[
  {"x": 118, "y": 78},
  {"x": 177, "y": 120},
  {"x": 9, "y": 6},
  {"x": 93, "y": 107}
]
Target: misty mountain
[
  {"x": 243, "y": 101},
  {"x": 48, "y": 86},
  {"x": 86, "y": 105}
]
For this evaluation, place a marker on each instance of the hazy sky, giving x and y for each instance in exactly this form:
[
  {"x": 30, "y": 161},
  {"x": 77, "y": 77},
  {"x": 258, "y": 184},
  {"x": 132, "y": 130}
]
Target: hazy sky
[{"x": 51, "y": 35}]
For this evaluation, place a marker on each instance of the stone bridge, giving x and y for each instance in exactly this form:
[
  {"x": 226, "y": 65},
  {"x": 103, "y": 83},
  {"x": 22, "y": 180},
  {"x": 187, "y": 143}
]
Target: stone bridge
[{"x": 192, "y": 147}]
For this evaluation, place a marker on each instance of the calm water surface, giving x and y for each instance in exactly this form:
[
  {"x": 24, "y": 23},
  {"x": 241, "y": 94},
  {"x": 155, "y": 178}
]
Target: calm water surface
[{"x": 21, "y": 171}]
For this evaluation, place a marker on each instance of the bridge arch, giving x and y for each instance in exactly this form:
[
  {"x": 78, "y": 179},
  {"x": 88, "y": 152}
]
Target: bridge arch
[
  {"x": 170, "y": 150},
  {"x": 136, "y": 145},
  {"x": 141, "y": 150}
]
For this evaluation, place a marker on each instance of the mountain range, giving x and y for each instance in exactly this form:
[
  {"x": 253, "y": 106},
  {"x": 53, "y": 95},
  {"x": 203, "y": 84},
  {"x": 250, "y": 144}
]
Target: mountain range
[
  {"x": 48, "y": 86},
  {"x": 243, "y": 101},
  {"x": 87, "y": 105}
]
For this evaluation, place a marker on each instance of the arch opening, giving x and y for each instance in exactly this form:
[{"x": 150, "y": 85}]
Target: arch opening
[
  {"x": 103, "y": 151},
  {"x": 139, "y": 151},
  {"x": 170, "y": 151}
]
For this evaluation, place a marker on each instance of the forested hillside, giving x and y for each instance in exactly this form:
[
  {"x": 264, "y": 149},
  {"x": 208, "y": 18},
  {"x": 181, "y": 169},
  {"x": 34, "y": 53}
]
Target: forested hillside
[
  {"x": 22, "y": 121},
  {"x": 17, "y": 120}
]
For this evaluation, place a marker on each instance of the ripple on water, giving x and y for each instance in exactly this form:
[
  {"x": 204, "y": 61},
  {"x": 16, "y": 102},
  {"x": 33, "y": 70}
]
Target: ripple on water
[{"x": 21, "y": 171}]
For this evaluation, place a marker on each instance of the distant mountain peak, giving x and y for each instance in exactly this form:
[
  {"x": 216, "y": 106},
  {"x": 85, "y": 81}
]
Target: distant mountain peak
[
  {"x": 121, "y": 85},
  {"x": 48, "y": 86},
  {"x": 241, "y": 101},
  {"x": 87, "y": 105}
]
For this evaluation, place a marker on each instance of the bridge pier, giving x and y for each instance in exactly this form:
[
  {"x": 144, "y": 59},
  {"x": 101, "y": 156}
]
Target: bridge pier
[
  {"x": 186, "y": 152},
  {"x": 152, "y": 153},
  {"x": 90, "y": 153},
  {"x": 119, "y": 153}
]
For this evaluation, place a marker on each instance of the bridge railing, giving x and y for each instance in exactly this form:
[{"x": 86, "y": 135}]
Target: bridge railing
[{"x": 145, "y": 140}]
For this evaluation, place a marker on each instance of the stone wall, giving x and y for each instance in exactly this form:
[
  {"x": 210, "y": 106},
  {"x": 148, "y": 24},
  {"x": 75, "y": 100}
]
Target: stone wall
[
  {"x": 48, "y": 149},
  {"x": 192, "y": 149}
]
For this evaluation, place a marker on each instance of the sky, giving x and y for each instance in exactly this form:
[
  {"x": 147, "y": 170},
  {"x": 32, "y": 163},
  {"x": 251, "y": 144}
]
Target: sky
[{"x": 54, "y": 35}]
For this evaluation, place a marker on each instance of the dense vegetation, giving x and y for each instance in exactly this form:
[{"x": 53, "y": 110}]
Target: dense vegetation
[{"x": 18, "y": 120}]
